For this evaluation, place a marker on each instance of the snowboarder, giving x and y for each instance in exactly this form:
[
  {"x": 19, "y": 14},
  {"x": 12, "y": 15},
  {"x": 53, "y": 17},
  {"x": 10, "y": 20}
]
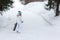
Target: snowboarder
[{"x": 18, "y": 23}]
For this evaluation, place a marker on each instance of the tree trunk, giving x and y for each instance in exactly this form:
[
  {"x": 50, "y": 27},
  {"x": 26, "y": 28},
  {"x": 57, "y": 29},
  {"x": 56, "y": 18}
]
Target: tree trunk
[{"x": 57, "y": 9}]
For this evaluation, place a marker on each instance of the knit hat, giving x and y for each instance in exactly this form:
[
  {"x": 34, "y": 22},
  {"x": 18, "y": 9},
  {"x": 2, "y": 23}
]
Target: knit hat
[{"x": 19, "y": 12}]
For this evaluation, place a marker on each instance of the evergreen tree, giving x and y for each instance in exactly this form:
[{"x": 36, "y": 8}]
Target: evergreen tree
[
  {"x": 5, "y": 4},
  {"x": 52, "y": 3}
]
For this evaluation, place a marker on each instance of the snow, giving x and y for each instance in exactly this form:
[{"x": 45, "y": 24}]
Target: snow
[{"x": 39, "y": 24}]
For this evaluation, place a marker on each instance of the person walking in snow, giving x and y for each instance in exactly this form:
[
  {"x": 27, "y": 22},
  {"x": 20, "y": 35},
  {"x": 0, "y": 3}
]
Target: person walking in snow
[{"x": 19, "y": 22}]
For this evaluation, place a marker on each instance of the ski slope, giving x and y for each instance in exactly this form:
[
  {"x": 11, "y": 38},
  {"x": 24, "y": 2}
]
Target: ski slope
[{"x": 39, "y": 24}]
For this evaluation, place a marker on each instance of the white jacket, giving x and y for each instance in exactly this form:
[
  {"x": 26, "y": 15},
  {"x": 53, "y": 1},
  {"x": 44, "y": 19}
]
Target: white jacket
[{"x": 19, "y": 19}]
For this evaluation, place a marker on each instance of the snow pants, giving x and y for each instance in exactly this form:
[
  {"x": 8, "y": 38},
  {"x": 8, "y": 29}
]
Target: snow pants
[{"x": 19, "y": 27}]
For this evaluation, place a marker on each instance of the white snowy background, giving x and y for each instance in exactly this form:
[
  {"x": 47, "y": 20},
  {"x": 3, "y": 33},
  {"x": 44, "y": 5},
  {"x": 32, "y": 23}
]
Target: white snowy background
[{"x": 39, "y": 24}]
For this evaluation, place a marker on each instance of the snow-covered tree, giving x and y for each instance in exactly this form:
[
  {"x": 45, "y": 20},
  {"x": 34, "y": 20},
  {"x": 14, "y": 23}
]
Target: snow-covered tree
[
  {"x": 5, "y": 4},
  {"x": 52, "y": 3}
]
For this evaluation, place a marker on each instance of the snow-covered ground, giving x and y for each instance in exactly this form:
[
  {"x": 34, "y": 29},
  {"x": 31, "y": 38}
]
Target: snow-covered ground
[{"x": 39, "y": 24}]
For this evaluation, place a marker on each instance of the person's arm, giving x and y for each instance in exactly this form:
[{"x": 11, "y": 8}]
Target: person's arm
[{"x": 21, "y": 20}]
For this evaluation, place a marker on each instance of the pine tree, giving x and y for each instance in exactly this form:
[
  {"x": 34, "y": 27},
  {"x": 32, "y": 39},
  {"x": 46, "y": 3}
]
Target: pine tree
[
  {"x": 51, "y": 4},
  {"x": 5, "y": 4}
]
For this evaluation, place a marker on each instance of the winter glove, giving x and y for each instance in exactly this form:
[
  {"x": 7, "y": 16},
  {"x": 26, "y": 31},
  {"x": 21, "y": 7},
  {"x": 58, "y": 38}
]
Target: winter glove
[{"x": 21, "y": 21}]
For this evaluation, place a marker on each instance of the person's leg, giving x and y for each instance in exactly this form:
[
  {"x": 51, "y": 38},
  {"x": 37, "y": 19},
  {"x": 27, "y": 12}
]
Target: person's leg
[{"x": 18, "y": 27}]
